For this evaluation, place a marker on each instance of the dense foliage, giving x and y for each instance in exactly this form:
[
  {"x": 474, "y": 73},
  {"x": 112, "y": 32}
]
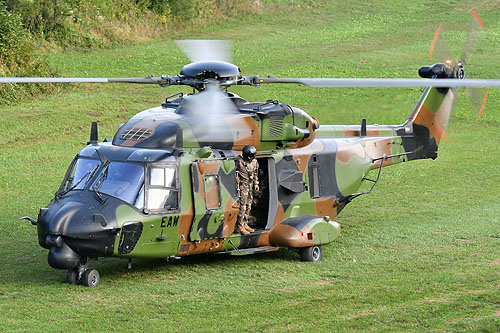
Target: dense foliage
[
  {"x": 18, "y": 57},
  {"x": 28, "y": 25},
  {"x": 97, "y": 23}
]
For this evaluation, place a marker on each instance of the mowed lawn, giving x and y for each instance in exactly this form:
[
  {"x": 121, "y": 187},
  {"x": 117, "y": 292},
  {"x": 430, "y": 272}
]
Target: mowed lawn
[{"x": 421, "y": 253}]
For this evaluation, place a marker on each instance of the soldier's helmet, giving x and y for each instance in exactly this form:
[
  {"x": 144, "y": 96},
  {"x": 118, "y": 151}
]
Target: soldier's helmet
[{"x": 249, "y": 153}]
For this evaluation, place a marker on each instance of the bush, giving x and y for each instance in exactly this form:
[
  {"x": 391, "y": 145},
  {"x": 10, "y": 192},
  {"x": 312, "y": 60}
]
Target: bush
[
  {"x": 28, "y": 25},
  {"x": 102, "y": 23},
  {"x": 18, "y": 58}
]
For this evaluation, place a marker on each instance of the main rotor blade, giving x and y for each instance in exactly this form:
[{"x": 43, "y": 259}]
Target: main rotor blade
[
  {"x": 353, "y": 83},
  {"x": 206, "y": 50},
  {"x": 49, "y": 80},
  {"x": 163, "y": 80}
]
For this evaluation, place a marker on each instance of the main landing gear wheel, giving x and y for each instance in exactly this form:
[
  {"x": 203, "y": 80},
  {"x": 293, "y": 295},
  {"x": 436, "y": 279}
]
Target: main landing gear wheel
[
  {"x": 311, "y": 253},
  {"x": 90, "y": 278}
]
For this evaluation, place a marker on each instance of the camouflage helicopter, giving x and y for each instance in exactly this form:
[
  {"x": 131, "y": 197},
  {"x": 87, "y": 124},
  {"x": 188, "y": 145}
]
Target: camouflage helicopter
[{"x": 165, "y": 185}]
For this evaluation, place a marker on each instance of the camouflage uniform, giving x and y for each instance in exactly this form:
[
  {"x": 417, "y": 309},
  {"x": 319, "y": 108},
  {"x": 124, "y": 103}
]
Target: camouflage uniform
[{"x": 247, "y": 180}]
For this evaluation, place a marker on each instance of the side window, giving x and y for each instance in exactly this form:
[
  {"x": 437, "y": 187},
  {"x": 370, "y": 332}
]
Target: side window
[
  {"x": 314, "y": 181},
  {"x": 162, "y": 193},
  {"x": 212, "y": 191}
]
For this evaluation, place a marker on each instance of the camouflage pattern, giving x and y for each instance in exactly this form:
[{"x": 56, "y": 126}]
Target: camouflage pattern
[
  {"x": 309, "y": 173},
  {"x": 304, "y": 231},
  {"x": 247, "y": 180}
]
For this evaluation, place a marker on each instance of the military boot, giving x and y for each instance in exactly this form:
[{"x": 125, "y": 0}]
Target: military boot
[
  {"x": 247, "y": 228},
  {"x": 242, "y": 230}
]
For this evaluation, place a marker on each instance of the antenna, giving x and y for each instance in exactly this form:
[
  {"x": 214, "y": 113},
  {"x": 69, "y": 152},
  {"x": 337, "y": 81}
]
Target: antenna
[
  {"x": 362, "y": 132},
  {"x": 94, "y": 137}
]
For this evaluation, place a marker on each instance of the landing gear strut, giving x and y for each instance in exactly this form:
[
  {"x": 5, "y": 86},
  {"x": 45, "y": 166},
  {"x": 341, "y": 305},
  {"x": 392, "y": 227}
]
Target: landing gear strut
[{"x": 82, "y": 274}]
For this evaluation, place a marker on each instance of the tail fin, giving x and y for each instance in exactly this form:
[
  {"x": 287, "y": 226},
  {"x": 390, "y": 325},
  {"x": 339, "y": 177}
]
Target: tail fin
[{"x": 429, "y": 120}]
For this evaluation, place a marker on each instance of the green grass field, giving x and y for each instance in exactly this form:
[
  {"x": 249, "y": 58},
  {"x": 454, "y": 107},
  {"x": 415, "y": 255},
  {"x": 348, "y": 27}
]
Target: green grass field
[{"x": 421, "y": 253}]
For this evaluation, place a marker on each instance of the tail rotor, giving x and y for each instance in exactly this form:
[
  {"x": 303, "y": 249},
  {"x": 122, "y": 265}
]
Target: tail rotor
[
  {"x": 440, "y": 52},
  {"x": 475, "y": 30}
]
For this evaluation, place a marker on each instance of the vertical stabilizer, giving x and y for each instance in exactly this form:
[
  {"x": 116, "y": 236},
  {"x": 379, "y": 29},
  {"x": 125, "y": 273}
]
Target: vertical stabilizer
[{"x": 429, "y": 119}]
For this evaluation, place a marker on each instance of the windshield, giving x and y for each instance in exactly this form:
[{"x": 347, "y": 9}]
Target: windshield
[
  {"x": 79, "y": 173},
  {"x": 124, "y": 181}
]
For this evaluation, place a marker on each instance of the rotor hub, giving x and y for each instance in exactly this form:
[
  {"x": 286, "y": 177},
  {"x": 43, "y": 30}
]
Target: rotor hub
[
  {"x": 202, "y": 71},
  {"x": 460, "y": 71}
]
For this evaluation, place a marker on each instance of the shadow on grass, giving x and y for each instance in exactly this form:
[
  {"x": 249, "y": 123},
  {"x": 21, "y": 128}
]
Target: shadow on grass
[
  {"x": 33, "y": 268},
  {"x": 210, "y": 261}
]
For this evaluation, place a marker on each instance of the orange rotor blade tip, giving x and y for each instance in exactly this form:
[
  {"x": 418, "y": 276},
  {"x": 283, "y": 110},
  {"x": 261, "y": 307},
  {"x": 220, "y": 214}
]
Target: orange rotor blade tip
[
  {"x": 434, "y": 40},
  {"x": 441, "y": 133},
  {"x": 480, "y": 114},
  {"x": 477, "y": 17}
]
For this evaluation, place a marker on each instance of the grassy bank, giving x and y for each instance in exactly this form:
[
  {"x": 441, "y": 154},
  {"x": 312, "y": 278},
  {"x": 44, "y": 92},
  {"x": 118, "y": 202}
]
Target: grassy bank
[
  {"x": 418, "y": 254},
  {"x": 31, "y": 29}
]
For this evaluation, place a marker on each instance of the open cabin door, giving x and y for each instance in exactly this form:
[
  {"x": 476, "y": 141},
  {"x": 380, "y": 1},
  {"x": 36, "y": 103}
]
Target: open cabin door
[{"x": 214, "y": 198}]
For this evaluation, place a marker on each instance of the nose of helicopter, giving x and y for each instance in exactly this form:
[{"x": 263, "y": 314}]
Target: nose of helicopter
[
  {"x": 71, "y": 230},
  {"x": 52, "y": 224},
  {"x": 62, "y": 256}
]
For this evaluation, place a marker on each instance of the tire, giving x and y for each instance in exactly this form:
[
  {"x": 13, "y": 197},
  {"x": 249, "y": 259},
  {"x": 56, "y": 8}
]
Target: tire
[
  {"x": 90, "y": 278},
  {"x": 72, "y": 276},
  {"x": 312, "y": 253}
]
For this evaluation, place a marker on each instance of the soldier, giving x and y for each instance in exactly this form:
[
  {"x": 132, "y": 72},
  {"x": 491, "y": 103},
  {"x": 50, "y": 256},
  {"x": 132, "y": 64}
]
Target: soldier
[{"x": 247, "y": 180}]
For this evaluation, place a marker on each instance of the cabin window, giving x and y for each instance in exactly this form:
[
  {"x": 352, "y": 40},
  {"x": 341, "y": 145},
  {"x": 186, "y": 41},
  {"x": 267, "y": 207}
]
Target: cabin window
[
  {"x": 164, "y": 177},
  {"x": 162, "y": 194},
  {"x": 212, "y": 191},
  {"x": 314, "y": 184},
  {"x": 157, "y": 177}
]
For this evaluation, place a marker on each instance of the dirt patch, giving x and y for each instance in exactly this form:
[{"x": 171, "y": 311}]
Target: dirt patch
[
  {"x": 322, "y": 283},
  {"x": 437, "y": 300},
  {"x": 476, "y": 291},
  {"x": 161, "y": 279},
  {"x": 495, "y": 262},
  {"x": 465, "y": 240},
  {"x": 286, "y": 289},
  {"x": 362, "y": 314}
]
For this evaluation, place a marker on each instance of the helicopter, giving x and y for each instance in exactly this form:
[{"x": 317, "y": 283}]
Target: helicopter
[{"x": 165, "y": 185}]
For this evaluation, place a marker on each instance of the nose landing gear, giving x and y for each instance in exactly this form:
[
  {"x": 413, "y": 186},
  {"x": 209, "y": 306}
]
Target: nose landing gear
[{"x": 82, "y": 274}]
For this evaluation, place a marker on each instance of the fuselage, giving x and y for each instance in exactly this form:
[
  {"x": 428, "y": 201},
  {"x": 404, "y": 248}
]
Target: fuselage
[{"x": 166, "y": 185}]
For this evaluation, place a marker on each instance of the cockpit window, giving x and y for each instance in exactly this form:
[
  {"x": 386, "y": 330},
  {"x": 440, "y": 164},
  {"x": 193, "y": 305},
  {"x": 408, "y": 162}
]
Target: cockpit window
[
  {"x": 79, "y": 173},
  {"x": 124, "y": 181}
]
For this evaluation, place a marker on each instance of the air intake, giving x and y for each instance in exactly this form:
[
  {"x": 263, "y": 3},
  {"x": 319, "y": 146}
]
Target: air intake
[
  {"x": 275, "y": 126},
  {"x": 136, "y": 134}
]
